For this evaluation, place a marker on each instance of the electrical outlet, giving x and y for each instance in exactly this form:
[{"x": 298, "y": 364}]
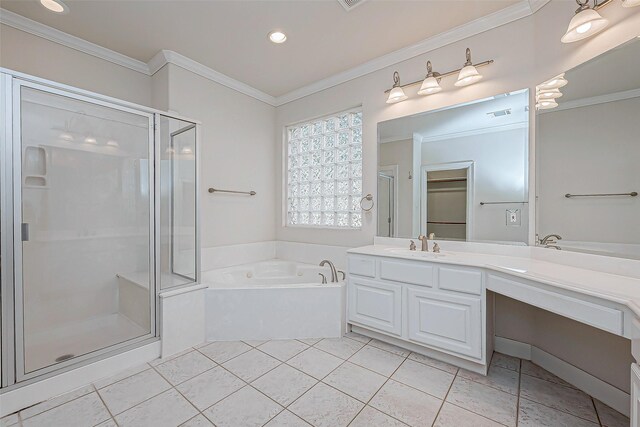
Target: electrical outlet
[{"x": 513, "y": 217}]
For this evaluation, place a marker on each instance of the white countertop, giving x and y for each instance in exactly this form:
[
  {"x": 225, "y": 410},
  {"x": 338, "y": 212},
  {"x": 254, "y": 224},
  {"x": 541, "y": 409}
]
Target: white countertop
[{"x": 611, "y": 287}]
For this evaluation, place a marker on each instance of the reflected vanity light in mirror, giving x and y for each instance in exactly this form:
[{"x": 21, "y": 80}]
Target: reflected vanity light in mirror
[
  {"x": 113, "y": 144},
  {"x": 90, "y": 140},
  {"x": 55, "y": 6},
  {"x": 397, "y": 93},
  {"x": 555, "y": 83},
  {"x": 585, "y": 23},
  {"x": 549, "y": 94},
  {"x": 546, "y": 104}
]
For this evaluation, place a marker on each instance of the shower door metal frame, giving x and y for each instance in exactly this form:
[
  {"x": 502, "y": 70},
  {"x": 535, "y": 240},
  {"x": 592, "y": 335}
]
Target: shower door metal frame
[{"x": 16, "y": 144}]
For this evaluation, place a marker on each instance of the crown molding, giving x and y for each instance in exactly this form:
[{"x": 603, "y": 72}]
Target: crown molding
[
  {"x": 594, "y": 100},
  {"x": 170, "y": 57},
  {"x": 37, "y": 29},
  {"x": 509, "y": 14}
]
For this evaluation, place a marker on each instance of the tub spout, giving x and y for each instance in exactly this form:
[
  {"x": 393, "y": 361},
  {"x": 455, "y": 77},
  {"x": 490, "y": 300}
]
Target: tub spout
[{"x": 334, "y": 274}]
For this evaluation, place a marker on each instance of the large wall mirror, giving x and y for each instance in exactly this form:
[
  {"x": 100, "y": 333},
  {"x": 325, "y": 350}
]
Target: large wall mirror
[
  {"x": 588, "y": 157},
  {"x": 460, "y": 173}
]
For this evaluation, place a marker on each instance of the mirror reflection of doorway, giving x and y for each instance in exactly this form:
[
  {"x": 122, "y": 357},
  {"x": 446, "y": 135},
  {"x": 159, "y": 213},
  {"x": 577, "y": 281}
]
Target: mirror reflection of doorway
[
  {"x": 447, "y": 202},
  {"x": 386, "y": 204}
]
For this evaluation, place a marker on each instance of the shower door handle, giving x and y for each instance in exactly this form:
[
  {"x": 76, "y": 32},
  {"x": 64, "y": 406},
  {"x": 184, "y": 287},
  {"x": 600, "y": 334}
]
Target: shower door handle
[{"x": 25, "y": 231}]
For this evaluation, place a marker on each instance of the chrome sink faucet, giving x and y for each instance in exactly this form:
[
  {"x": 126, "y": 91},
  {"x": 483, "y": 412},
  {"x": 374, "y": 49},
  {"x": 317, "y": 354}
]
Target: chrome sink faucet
[
  {"x": 334, "y": 273},
  {"x": 412, "y": 245},
  {"x": 425, "y": 243}
]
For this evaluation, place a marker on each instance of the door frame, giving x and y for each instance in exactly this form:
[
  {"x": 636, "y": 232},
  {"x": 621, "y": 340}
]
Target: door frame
[
  {"x": 466, "y": 164},
  {"x": 16, "y": 166},
  {"x": 393, "y": 169}
]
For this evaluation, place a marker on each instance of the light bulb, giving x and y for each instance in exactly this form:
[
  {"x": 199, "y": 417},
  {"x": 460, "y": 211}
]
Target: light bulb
[{"x": 277, "y": 37}]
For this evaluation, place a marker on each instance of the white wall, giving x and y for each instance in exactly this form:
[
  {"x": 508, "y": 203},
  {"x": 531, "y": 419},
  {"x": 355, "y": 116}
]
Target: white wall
[
  {"x": 579, "y": 155},
  {"x": 26, "y": 53},
  {"x": 237, "y": 152},
  {"x": 526, "y": 52}
]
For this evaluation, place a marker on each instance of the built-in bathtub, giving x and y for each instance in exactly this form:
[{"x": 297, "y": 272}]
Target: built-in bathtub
[{"x": 273, "y": 299}]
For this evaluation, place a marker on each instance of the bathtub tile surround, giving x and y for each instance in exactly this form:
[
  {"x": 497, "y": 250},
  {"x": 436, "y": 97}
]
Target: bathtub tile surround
[{"x": 418, "y": 391}]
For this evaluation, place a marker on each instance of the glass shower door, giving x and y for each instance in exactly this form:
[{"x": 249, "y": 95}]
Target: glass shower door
[{"x": 84, "y": 268}]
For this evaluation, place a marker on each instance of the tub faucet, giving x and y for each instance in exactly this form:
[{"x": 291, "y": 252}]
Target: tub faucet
[
  {"x": 425, "y": 243},
  {"x": 334, "y": 274}
]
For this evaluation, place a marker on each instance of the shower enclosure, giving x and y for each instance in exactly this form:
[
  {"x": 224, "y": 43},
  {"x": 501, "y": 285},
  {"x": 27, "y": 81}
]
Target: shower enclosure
[{"x": 98, "y": 214}]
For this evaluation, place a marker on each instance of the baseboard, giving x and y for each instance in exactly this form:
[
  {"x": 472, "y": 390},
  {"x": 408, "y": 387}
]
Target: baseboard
[
  {"x": 601, "y": 390},
  {"x": 512, "y": 348}
]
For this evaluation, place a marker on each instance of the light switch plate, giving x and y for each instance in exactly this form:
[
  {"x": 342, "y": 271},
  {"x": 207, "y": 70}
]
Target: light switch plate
[{"x": 513, "y": 217}]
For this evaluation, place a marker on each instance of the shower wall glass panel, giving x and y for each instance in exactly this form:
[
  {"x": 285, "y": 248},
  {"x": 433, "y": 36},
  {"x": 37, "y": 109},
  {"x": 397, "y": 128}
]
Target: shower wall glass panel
[{"x": 98, "y": 203}]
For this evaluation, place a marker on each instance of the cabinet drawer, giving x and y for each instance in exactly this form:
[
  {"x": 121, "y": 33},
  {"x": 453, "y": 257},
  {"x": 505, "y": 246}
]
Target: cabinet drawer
[
  {"x": 605, "y": 318},
  {"x": 378, "y": 305},
  {"x": 407, "y": 272},
  {"x": 448, "y": 322},
  {"x": 460, "y": 280},
  {"x": 362, "y": 266}
]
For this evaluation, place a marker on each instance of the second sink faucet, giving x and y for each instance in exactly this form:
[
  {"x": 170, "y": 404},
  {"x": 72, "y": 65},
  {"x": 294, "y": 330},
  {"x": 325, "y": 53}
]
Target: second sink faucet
[
  {"x": 334, "y": 273},
  {"x": 425, "y": 243}
]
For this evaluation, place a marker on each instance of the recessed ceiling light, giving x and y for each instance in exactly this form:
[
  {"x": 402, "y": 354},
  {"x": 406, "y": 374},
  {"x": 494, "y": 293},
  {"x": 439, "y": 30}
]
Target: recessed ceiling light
[
  {"x": 56, "y": 6},
  {"x": 277, "y": 36}
]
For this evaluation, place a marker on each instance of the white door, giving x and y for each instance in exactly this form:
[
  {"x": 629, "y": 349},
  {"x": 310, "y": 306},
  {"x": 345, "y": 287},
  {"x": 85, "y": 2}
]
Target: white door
[{"x": 448, "y": 322}]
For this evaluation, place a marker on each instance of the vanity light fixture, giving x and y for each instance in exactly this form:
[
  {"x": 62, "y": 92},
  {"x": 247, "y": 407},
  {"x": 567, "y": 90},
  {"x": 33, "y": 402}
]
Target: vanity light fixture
[
  {"x": 548, "y": 94},
  {"x": 56, "y": 6},
  {"x": 586, "y": 22},
  {"x": 277, "y": 36},
  {"x": 554, "y": 83},
  {"x": 467, "y": 75},
  {"x": 396, "y": 94},
  {"x": 546, "y": 104},
  {"x": 431, "y": 83}
]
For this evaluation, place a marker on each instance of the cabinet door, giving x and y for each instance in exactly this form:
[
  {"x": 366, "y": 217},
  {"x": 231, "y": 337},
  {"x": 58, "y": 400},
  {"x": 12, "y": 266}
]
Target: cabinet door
[
  {"x": 448, "y": 322},
  {"x": 375, "y": 304},
  {"x": 635, "y": 395}
]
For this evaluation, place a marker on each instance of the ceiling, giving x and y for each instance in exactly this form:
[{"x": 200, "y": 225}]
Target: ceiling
[{"x": 231, "y": 36}]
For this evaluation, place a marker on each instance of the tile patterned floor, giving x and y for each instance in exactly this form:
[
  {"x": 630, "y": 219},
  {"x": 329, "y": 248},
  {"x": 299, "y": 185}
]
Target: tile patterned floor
[{"x": 353, "y": 381}]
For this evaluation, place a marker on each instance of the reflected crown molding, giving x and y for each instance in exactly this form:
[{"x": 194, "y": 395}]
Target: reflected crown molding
[
  {"x": 601, "y": 99},
  {"x": 479, "y": 131},
  {"x": 520, "y": 10}
]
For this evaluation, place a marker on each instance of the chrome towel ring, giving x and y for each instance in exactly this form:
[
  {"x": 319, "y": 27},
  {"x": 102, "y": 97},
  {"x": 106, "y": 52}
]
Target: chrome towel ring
[{"x": 368, "y": 198}]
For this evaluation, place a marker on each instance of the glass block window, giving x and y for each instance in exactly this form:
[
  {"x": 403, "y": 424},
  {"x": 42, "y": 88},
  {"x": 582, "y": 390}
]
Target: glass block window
[{"x": 324, "y": 172}]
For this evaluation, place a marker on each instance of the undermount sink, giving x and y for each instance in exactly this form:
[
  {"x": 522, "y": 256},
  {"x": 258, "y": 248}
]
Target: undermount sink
[{"x": 416, "y": 253}]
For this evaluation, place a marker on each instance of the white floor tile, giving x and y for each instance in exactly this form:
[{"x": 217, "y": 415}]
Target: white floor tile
[
  {"x": 507, "y": 362},
  {"x": 343, "y": 348},
  {"x": 9, "y": 420},
  {"x": 210, "y": 387},
  {"x": 251, "y": 365},
  {"x": 377, "y": 360},
  {"x": 454, "y": 416},
  {"x": 535, "y": 415},
  {"x": 185, "y": 367},
  {"x": 406, "y": 404},
  {"x": 390, "y": 348},
  {"x": 121, "y": 375},
  {"x": 284, "y": 384},
  {"x": 610, "y": 417},
  {"x": 162, "y": 360},
  {"x": 371, "y": 417},
  {"x": 56, "y": 401},
  {"x": 133, "y": 390},
  {"x": 444, "y": 366},
  {"x": 355, "y": 381},
  {"x": 221, "y": 351},
  {"x": 358, "y": 337},
  {"x": 324, "y": 406},
  {"x": 255, "y": 343},
  {"x": 497, "y": 377},
  {"x": 87, "y": 410},
  {"x": 484, "y": 400},
  {"x": 315, "y": 362},
  {"x": 287, "y": 419},
  {"x": 168, "y": 409},
  {"x": 108, "y": 423},
  {"x": 310, "y": 341},
  {"x": 559, "y": 397},
  {"x": 246, "y": 407},
  {"x": 198, "y": 421},
  {"x": 283, "y": 349},
  {"x": 424, "y": 377},
  {"x": 533, "y": 370}
]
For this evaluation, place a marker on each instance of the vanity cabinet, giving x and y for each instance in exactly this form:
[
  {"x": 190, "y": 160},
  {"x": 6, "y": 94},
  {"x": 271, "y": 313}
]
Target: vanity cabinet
[{"x": 433, "y": 305}]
